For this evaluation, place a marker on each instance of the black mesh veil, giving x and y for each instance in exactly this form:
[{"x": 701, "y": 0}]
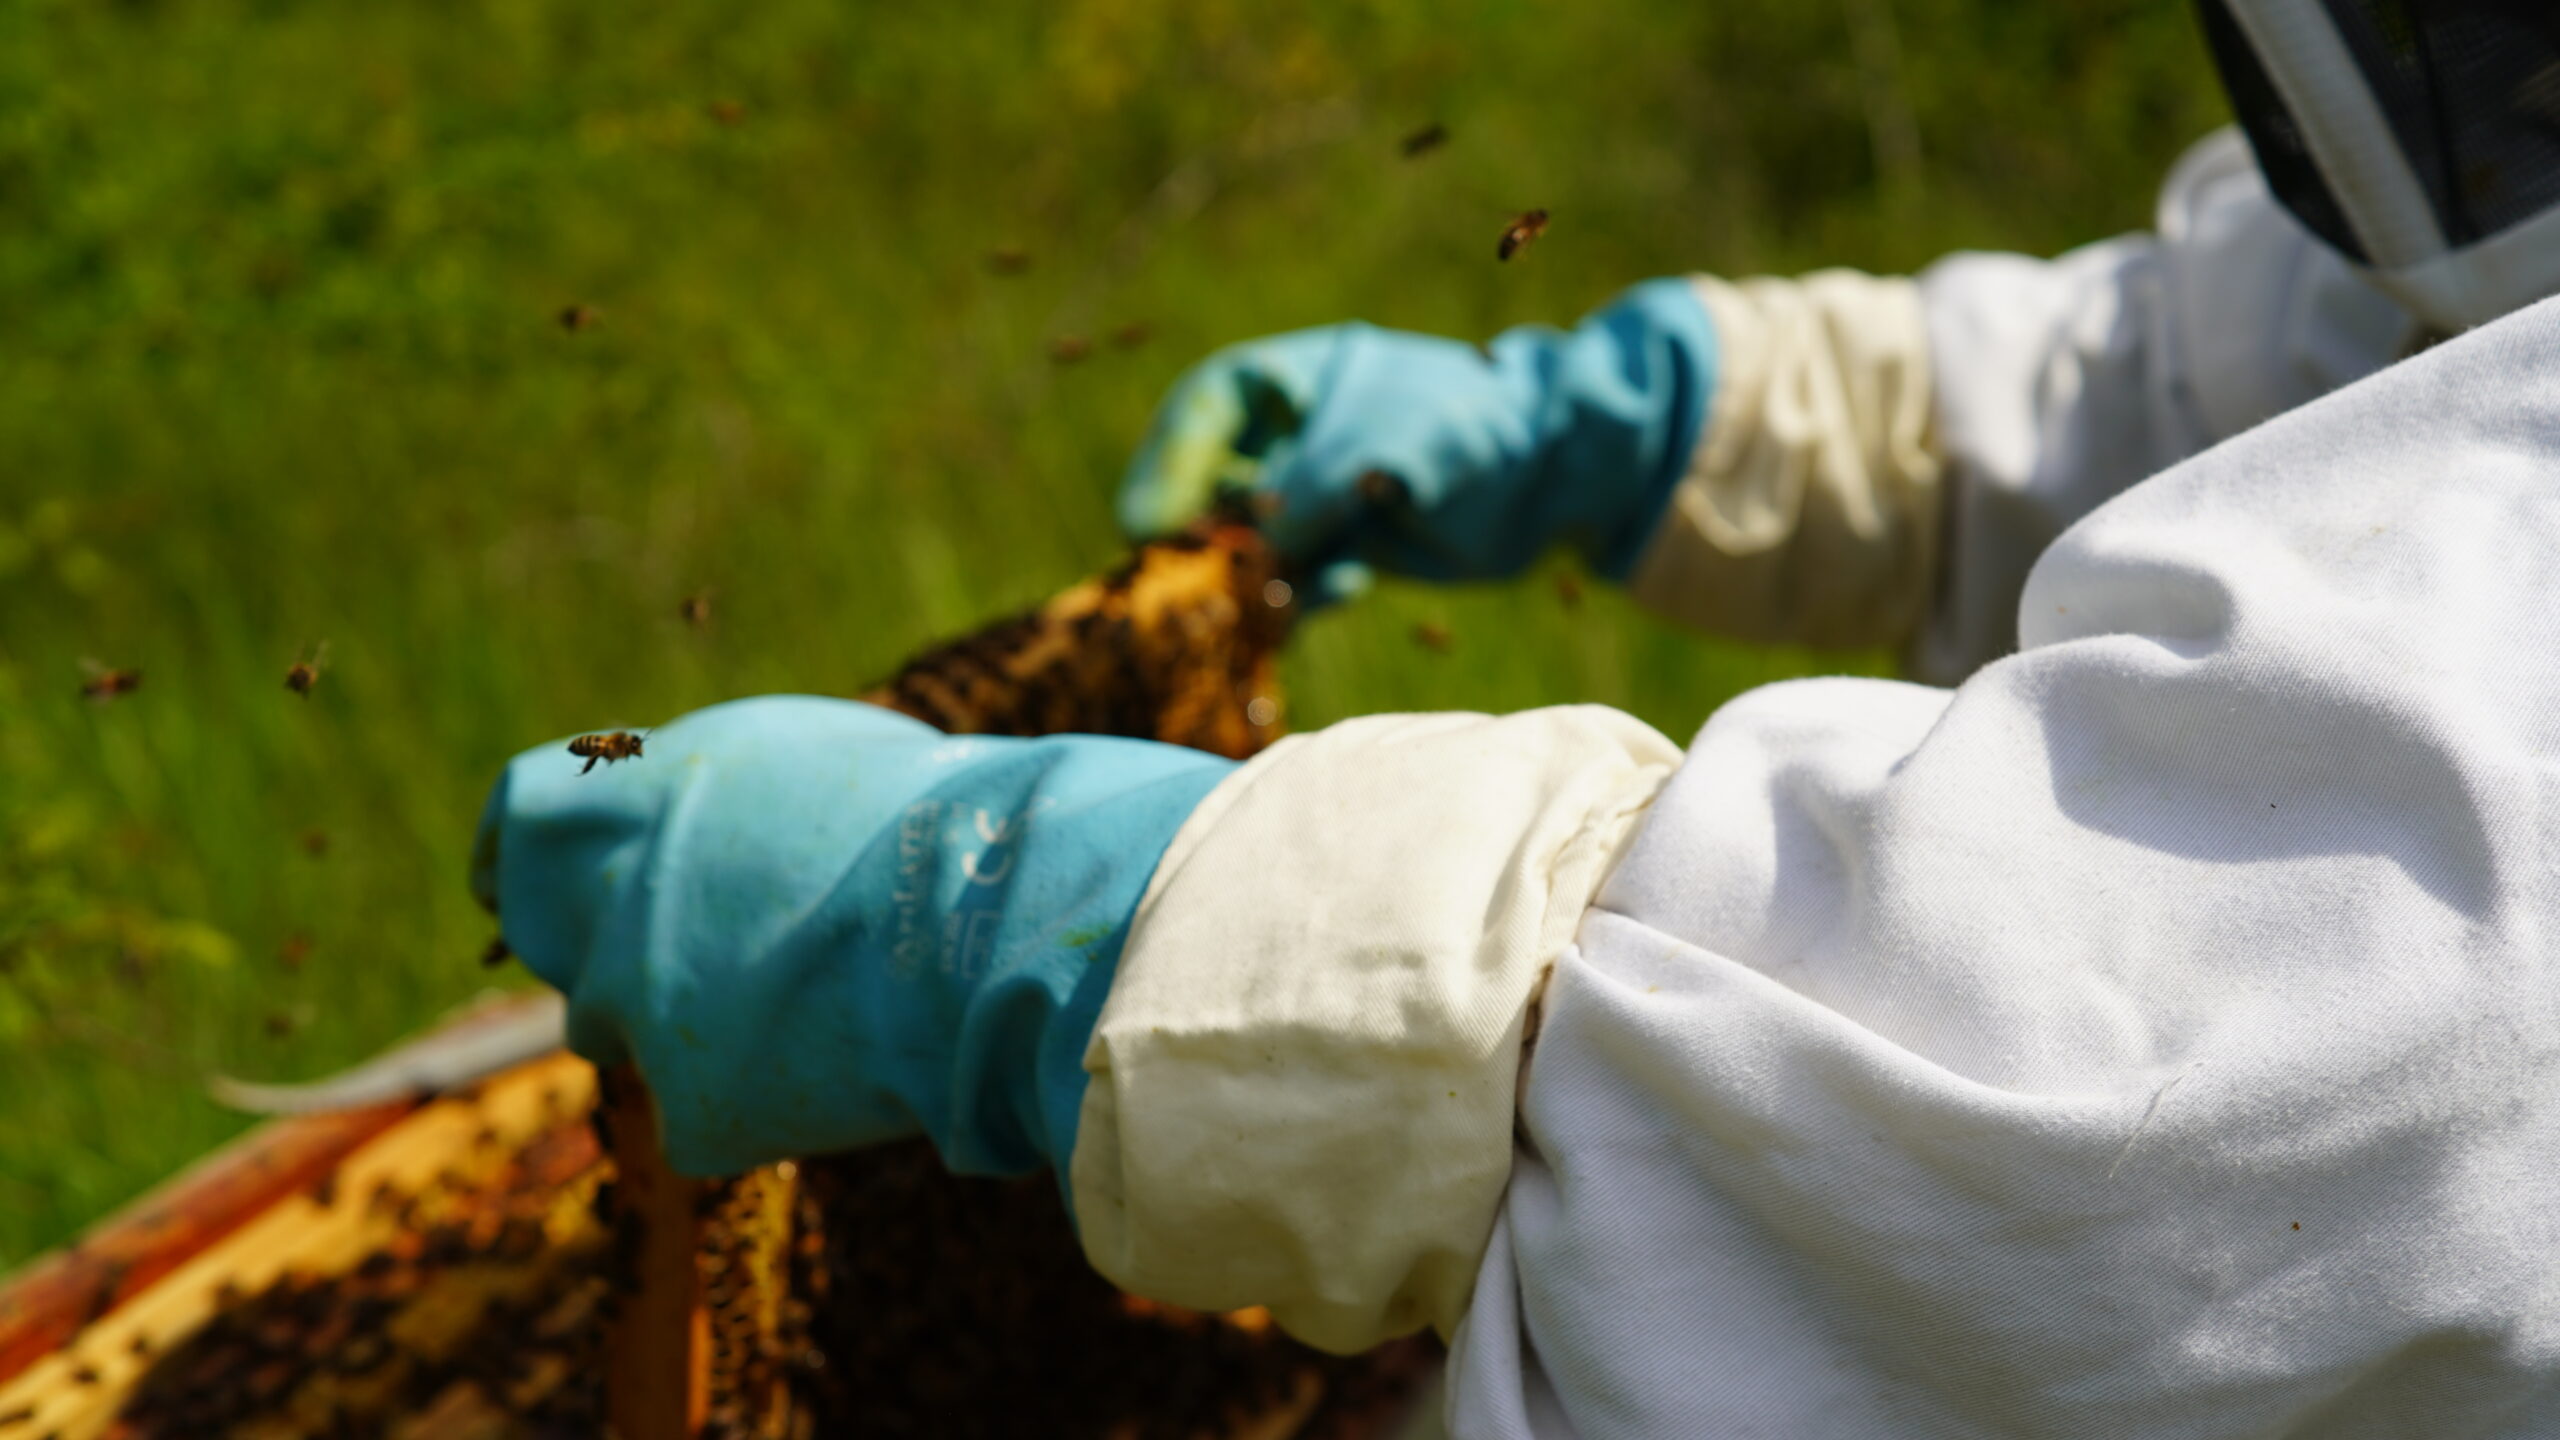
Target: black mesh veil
[
  {"x": 2469, "y": 88},
  {"x": 2472, "y": 90},
  {"x": 2283, "y": 154}
]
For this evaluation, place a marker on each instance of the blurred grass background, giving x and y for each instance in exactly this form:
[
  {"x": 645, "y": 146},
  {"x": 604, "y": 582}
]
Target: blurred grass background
[{"x": 279, "y": 363}]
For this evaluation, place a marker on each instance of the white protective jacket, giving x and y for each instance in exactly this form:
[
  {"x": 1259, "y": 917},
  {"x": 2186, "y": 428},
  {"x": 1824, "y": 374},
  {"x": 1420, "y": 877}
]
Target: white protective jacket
[
  {"x": 2153, "y": 1035},
  {"x": 1885, "y": 458}
]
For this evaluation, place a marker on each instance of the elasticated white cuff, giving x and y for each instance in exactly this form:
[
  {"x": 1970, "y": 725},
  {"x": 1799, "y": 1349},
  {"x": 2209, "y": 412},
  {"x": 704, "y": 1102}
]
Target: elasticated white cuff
[
  {"x": 1809, "y": 512},
  {"x": 1303, "y": 1081}
]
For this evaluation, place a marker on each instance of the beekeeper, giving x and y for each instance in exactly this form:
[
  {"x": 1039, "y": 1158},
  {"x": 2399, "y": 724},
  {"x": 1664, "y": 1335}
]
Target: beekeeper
[{"x": 2155, "y": 1034}]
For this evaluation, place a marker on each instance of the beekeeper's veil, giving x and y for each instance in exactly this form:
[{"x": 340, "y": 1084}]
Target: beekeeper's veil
[{"x": 2420, "y": 137}]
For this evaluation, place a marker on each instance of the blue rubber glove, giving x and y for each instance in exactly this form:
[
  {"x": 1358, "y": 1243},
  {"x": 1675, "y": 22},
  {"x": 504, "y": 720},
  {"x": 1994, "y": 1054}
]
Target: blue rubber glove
[
  {"x": 816, "y": 924},
  {"x": 1362, "y": 447}
]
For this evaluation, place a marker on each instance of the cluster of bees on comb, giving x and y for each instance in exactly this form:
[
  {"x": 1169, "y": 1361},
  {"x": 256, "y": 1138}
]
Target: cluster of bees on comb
[{"x": 1179, "y": 644}]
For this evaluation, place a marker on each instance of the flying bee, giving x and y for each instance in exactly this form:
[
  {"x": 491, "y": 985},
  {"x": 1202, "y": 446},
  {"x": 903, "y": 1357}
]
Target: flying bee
[
  {"x": 104, "y": 684},
  {"x": 498, "y": 954},
  {"x": 1425, "y": 140},
  {"x": 1516, "y": 238},
  {"x": 1434, "y": 637},
  {"x": 1133, "y": 334},
  {"x": 695, "y": 609},
  {"x": 1008, "y": 261},
  {"x": 306, "y": 671},
  {"x": 1068, "y": 349},
  {"x": 620, "y": 745},
  {"x": 574, "y": 318}
]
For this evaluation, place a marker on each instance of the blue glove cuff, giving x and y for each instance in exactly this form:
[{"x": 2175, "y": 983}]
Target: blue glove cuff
[
  {"x": 816, "y": 924},
  {"x": 1541, "y": 437},
  {"x": 1575, "y": 437},
  {"x": 1625, "y": 411}
]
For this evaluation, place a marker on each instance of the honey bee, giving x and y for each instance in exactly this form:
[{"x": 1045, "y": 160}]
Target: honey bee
[
  {"x": 728, "y": 112},
  {"x": 1068, "y": 349},
  {"x": 574, "y": 318},
  {"x": 104, "y": 684},
  {"x": 1568, "y": 590},
  {"x": 1434, "y": 637},
  {"x": 306, "y": 671},
  {"x": 1516, "y": 237},
  {"x": 295, "y": 949},
  {"x": 620, "y": 745},
  {"x": 498, "y": 954},
  {"x": 1133, "y": 334},
  {"x": 1425, "y": 140},
  {"x": 1384, "y": 490},
  {"x": 695, "y": 609},
  {"x": 1007, "y": 261}
]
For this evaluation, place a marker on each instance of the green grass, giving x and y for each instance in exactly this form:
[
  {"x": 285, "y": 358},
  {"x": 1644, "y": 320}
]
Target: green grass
[{"x": 278, "y": 364}]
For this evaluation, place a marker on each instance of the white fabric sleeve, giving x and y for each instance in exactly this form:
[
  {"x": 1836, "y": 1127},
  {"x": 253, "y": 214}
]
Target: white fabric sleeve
[
  {"x": 1303, "y": 1082},
  {"x": 1883, "y": 459},
  {"x": 2060, "y": 383},
  {"x": 1809, "y": 510},
  {"x": 2158, "y": 1035}
]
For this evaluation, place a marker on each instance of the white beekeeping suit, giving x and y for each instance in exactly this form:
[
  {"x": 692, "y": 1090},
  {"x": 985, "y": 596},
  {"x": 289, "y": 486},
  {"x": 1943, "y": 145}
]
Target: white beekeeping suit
[
  {"x": 2155, "y": 1034},
  {"x": 2060, "y": 384},
  {"x": 1886, "y": 457}
]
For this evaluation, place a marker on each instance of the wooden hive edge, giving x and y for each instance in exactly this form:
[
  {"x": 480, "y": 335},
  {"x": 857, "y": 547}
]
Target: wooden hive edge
[{"x": 289, "y": 1196}]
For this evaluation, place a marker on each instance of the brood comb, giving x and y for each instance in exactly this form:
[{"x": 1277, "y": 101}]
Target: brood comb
[{"x": 1179, "y": 645}]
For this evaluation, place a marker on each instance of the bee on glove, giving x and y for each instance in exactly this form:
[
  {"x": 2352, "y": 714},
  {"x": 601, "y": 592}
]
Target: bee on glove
[{"x": 619, "y": 745}]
